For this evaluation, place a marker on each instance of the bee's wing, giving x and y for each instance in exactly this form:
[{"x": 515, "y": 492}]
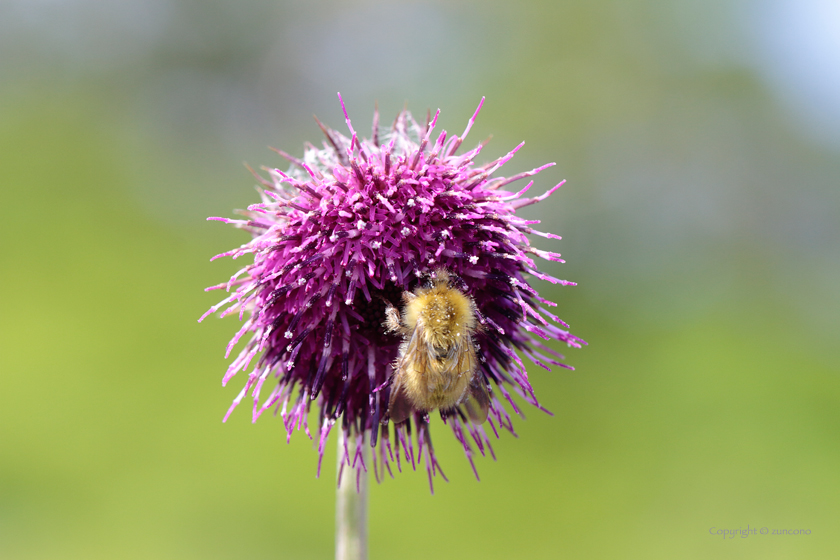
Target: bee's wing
[
  {"x": 415, "y": 356},
  {"x": 399, "y": 405},
  {"x": 478, "y": 403}
]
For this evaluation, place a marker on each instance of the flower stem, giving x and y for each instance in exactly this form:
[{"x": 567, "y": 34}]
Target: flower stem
[{"x": 351, "y": 506}]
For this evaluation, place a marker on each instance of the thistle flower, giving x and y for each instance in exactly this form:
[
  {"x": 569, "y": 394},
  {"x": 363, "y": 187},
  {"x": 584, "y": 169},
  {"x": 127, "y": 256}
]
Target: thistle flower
[{"x": 344, "y": 232}]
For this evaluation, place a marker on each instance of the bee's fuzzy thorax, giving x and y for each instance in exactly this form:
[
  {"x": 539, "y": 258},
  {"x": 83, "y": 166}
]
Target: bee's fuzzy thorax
[{"x": 446, "y": 313}]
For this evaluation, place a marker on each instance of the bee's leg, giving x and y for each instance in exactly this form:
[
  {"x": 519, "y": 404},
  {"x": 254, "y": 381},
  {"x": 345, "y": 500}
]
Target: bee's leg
[
  {"x": 408, "y": 297},
  {"x": 392, "y": 322}
]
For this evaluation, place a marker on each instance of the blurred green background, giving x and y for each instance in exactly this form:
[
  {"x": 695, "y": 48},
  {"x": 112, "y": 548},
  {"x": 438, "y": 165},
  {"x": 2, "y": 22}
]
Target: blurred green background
[{"x": 701, "y": 143}]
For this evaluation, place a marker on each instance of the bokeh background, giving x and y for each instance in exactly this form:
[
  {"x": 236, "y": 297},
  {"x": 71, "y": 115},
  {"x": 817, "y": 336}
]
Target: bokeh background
[{"x": 701, "y": 144}]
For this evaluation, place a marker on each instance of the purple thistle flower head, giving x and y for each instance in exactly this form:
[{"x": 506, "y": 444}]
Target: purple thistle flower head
[{"x": 343, "y": 234}]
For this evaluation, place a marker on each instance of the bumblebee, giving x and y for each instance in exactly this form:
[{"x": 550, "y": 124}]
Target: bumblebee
[{"x": 437, "y": 367}]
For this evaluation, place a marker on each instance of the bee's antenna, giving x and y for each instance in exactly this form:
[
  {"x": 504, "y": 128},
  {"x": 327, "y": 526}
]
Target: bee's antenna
[{"x": 459, "y": 282}]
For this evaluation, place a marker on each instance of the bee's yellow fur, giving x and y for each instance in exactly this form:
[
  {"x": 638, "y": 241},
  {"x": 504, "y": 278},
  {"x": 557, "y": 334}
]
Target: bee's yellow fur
[
  {"x": 437, "y": 364},
  {"x": 447, "y": 315}
]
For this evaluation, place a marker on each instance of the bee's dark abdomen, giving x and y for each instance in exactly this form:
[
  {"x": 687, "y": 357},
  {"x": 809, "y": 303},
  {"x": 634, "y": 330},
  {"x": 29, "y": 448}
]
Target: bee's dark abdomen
[{"x": 441, "y": 352}]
